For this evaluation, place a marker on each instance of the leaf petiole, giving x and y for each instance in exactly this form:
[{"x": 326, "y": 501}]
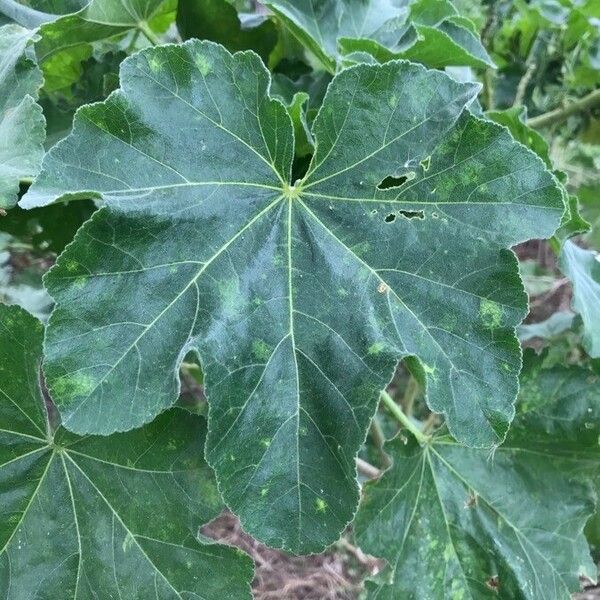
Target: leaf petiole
[
  {"x": 403, "y": 419},
  {"x": 150, "y": 35}
]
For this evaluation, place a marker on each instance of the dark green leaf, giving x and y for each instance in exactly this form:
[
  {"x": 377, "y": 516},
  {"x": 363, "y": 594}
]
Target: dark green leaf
[
  {"x": 515, "y": 119},
  {"x": 21, "y": 121},
  {"x": 117, "y": 516},
  {"x": 459, "y": 523},
  {"x": 300, "y": 299},
  {"x": 218, "y": 21}
]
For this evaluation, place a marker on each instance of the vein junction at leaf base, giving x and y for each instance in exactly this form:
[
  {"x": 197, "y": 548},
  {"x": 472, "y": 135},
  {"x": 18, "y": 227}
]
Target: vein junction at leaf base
[{"x": 301, "y": 297}]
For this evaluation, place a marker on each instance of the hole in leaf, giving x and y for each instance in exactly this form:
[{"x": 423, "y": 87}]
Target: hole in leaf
[
  {"x": 412, "y": 214},
  {"x": 390, "y": 218},
  {"x": 395, "y": 181}
]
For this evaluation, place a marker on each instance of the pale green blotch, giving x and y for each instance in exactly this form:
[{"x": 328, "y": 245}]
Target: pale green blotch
[
  {"x": 490, "y": 313},
  {"x": 429, "y": 370},
  {"x": 361, "y": 248},
  {"x": 261, "y": 350},
  {"x": 457, "y": 591},
  {"x": 208, "y": 490},
  {"x": 203, "y": 64},
  {"x": 71, "y": 265},
  {"x": 448, "y": 552},
  {"x": 266, "y": 442},
  {"x": 80, "y": 282},
  {"x": 264, "y": 491},
  {"x": 376, "y": 348},
  {"x": 154, "y": 64},
  {"x": 73, "y": 386},
  {"x": 320, "y": 505},
  {"x": 393, "y": 101}
]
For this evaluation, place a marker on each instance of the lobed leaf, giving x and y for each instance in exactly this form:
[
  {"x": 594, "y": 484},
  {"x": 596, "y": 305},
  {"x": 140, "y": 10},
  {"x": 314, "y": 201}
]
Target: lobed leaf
[
  {"x": 84, "y": 514},
  {"x": 453, "y": 522},
  {"x": 301, "y": 297}
]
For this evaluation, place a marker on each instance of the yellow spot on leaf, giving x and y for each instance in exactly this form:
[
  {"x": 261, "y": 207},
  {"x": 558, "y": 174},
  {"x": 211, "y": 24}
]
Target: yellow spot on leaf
[
  {"x": 320, "y": 505},
  {"x": 491, "y": 313},
  {"x": 203, "y": 65}
]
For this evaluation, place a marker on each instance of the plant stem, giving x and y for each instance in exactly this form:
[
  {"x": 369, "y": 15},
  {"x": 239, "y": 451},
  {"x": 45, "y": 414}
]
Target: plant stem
[
  {"x": 378, "y": 438},
  {"x": 412, "y": 390},
  {"x": 523, "y": 83},
  {"x": 560, "y": 114},
  {"x": 489, "y": 89},
  {"x": 403, "y": 419},
  {"x": 555, "y": 245},
  {"x": 150, "y": 35},
  {"x": 134, "y": 39},
  {"x": 367, "y": 469}
]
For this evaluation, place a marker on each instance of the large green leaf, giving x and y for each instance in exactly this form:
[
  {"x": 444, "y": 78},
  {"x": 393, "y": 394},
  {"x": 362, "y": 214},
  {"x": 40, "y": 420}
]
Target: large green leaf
[
  {"x": 582, "y": 267},
  {"x": 300, "y": 299},
  {"x": 426, "y": 31},
  {"x": 21, "y": 121},
  {"x": 117, "y": 515},
  {"x": 453, "y": 522}
]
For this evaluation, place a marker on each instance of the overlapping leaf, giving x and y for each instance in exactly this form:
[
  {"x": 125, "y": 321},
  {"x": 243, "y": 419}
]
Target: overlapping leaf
[
  {"x": 21, "y": 121},
  {"x": 458, "y": 523},
  {"x": 582, "y": 267},
  {"x": 116, "y": 516},
  {"x": 426, "y": 31},
  {"x": 218, "y": 21},
  {"x": 300, "y": 299},
  {"x": 65, "y": 42},
  {"x": 33, "y": 13}
]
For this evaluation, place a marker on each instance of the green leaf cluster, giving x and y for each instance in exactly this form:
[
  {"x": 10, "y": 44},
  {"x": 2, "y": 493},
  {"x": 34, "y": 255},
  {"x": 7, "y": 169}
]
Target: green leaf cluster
[{"x": 288, "y": 202}]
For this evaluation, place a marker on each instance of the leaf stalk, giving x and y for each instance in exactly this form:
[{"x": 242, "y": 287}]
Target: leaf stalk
[
  {"x": 403, "y": 419},
  {"x": 150, "y": 35}
]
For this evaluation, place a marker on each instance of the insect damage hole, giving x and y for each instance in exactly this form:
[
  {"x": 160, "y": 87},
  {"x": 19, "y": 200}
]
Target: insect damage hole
[
  {"x": 395, "y": 181},
  {"x": 407, "y": 214}
]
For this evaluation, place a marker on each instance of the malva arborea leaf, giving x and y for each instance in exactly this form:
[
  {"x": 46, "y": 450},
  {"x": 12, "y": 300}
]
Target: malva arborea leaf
[
  {"x": 117, "y": 516},
  {"x": 455, "y": 522},
  {"x": 299, "y": 297}
]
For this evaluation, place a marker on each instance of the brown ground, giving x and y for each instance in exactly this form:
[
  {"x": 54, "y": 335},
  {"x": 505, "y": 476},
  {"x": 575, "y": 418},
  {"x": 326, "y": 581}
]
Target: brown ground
[{"x": 334, "y": 575}]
